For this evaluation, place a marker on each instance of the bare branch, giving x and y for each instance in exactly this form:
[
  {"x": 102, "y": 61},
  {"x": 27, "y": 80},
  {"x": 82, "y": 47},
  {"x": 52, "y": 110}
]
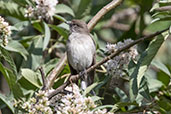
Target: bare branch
[
  {"x": 74, "y": 78},
  {"x": 164, "y": 8},
  {"x": 102, "y": 12},
  {"x": 56, "y": 71}
]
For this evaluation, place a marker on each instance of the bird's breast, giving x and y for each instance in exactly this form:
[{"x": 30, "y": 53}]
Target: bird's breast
[{"x": 80, "y": 51}]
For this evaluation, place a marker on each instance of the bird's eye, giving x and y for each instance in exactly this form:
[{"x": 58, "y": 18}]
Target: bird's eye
[{"x": 75, "y": 25}]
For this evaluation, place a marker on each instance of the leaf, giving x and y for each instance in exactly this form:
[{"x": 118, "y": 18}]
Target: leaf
[
  {"x": 89, "y": 88},
  {"x": 35, "y": 58},
  {"x": 161, "y": 66},
  {"x": 82, "y": 7},
  {"x": 7, "y": 102},
  {"x": 165, "y": 79},
  {"x": 21, "y": 25},
  {"x": 60, "y": 18},
  {"x": 50, "y": 65},
  {"x": 154, "y": 84},
  {"x": 47, "y": 36},
  {"x": 31, "y": 76},
  {"x": 12, "y": 9},
  {"x": 37, "y": 25},
  {"x": 96, "y": 98},
  {"x": 62, "y": 8},
  {"x": 8, "y": 59},
  {"x": 102, "y": 107},
  {"x": 60, "y": 30},
  {"x": 11, "y": 79},
  {"x": 143, "y": 64},
  {"x": 15, "y": 46}
]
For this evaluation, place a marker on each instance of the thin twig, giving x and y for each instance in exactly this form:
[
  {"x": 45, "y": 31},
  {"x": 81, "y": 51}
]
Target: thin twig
[
  {"x": 43, "y": 78},
  {"x": 52, "y": 76},
  {"x": 74, "y": 78},
  {"x": 102, "y": 12}
]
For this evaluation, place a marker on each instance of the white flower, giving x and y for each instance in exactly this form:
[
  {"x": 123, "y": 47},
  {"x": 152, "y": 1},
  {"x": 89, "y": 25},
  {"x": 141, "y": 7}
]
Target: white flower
[
  {"x": 5, "y": 31},
  {"x": 44, "y": 9}
]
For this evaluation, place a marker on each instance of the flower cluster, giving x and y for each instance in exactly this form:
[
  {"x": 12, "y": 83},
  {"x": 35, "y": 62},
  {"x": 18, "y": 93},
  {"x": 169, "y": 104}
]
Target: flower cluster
[
  {"x": 44, "y": 9},
  {"x": 74, "y": 103},
  {"x": 116, "y": 66},
  {"x": 71, "y": 103},
  {"x": 5, "y": 31},
  {"x": 36, "y": 105}
]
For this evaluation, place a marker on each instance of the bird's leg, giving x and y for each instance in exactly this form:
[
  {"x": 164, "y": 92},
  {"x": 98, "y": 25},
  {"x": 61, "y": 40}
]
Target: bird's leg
[{"x": 84, "y": 76}]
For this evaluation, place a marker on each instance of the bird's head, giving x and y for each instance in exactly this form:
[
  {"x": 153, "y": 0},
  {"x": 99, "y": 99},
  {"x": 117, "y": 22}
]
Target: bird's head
[{"x": 78, "y": 26}]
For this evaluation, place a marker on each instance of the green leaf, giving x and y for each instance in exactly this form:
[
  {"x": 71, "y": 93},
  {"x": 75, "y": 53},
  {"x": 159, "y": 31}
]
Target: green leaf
[
  {"x": 35, "y": 58},
  {"x": 7, "y": 102},
  {"x": 142, "y": 66},
  {"x": 154, "y": 84},
  {"x": 21, "y": 25},
  {"x": 60, "y": 30},
  {"x": 89, "y": 88},
  {"x": 11, "y": 79},
  {"x": 50, "y": 65},
  {"x": 96, "y": 98},
  {"x": 121, "y": 104},
  {"x": 12, "y": 9},
  {"x": 47, "y": 36},
  {"x": 161, "y": 66},
  {"x": 31, "y": 76},
  {"x": 62, "y": 8},
  {"x": 37, "y": 25},
  {"x": 82, "y": 7},
  {"x": 60, "y": 18},
  {"x": 15, "y": 46},
  {"x": 165, "y": 79},
  {"x": 8, "y": 59},
  {"x": 102, "y": 107}
]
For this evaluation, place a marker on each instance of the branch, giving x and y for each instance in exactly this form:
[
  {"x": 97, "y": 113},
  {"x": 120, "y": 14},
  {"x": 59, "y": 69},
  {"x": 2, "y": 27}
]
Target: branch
[
  {"x": 164, "y": 8},
  {"x": 102, "y": 12},
  {"x": 56, "y": 71},
  {"x": 74, "y": 78},
  {"x": 52, "y": 76},
  {"x": 43, "y": 78}
]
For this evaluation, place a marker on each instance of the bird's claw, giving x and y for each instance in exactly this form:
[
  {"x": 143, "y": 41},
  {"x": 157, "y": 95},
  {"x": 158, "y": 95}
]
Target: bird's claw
[{"x": 83, "y": 74}]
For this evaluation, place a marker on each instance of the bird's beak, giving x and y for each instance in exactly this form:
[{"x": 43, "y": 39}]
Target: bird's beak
[{"x": 68, "y": 22}]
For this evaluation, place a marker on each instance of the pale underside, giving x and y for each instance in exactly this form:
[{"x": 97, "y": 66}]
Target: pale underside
[{"x": 80, "y": 51}]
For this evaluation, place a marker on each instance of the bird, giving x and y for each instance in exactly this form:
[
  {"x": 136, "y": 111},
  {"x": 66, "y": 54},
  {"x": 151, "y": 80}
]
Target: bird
[{"x": 81, "y": 51}]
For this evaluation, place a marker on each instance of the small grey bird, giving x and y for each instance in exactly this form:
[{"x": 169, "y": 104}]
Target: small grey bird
[{"x": 81, "y": 51}]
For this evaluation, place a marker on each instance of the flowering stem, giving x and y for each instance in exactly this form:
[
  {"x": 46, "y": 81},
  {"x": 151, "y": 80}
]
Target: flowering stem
[{"x": 74, "y": 78}]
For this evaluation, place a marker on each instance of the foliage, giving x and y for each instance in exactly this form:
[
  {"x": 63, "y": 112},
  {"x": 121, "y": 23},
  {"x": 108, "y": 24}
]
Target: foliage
[{"x": 41, "y": 42}]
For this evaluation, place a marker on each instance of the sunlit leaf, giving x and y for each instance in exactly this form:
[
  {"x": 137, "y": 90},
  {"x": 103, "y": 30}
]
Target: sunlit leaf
[
  {"x": 15, "y": 46},
  {"x": 62, "y": 8},
  {"x": 90, "y": 88},
  {"x": 47, "y": 36},
  {"x": 161, "y": 66},
  {"x": 31, "y": 76}
]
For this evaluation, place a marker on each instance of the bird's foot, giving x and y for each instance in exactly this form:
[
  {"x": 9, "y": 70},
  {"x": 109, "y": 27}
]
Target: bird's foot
[
  {"x": 71, "y": 83},
  {"x": 83, "y": 74}
]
